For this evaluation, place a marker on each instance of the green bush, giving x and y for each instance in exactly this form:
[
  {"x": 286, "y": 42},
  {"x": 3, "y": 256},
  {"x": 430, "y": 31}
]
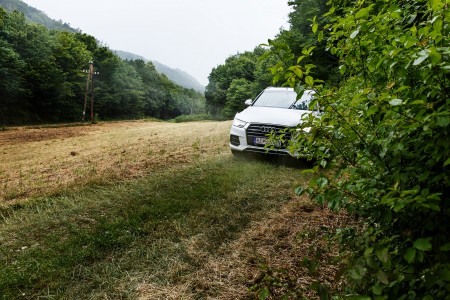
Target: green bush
[{"x": 384, "y": 137}]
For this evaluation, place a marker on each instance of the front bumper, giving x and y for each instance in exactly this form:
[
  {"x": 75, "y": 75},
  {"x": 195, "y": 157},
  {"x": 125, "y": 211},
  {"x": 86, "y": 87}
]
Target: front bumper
[{"x": 239, "y": 141}]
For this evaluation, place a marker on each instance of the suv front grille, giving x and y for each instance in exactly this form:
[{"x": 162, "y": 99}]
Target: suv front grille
[{"x": 264, "y": 130}]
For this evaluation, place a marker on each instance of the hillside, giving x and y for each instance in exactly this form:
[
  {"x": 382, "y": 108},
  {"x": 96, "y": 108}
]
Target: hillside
[
  {"x": 34, "y": 15},
  {"x": 178, "y": 76}
]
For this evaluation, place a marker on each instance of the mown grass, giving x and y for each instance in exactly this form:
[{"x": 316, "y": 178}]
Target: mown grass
[{"x": 102, "y": 241}]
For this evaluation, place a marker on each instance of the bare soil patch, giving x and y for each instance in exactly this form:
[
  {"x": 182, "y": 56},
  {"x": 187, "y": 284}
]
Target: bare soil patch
[
  {"x": 19, "y": 135},
  {"x": 38, "y": 161}
]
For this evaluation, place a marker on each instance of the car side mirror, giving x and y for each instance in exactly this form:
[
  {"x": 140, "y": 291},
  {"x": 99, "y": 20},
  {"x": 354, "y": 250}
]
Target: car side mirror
[{"x": 248, "y": 102}]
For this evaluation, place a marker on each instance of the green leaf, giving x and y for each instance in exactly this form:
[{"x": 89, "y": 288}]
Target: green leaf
[
  {"x": 383, "y": 255},
  {"x": 315, "y": 27},
  {"x": 410, "y": 255},
  {"x": 358, "y": 272},
  {"x": 423, "y": 245},
  {"x": 382, "y": 277},
  {"x": 308, "y": 171},
  {"x": 300, "y": 59},
  {"x": 299, "y": 89},
  {"x": 443, "y": 121},
  {"x": 377, "y": 289},
  {"x": 396, "y": 102},
  {"x": 264, "y": 293},
  {"x": 322, "y": 182},
  {"x": 298, "y": 72},
  {"x": 354, "y": 34},
  {"x": 372, "y": 110},
  {"x": 417, "y": 102},
  {"x": 364, "y": 12},
  {"x": 437, "y": 5},
  {"x": 300, "y": 190},
  {"x": 358, "y": 297},
  {"x": 445, "y": 274},
  {"x": 420, "y": 59},
  {"x": 330, "y": 12},
  {"x": 309, "y": 80},
  {"x": 368, "y": 252},
  {"x": 447, "y": 162},
  {"x": 308, "y": 51},
  {"x": 320, "y": 36},
  {"x": 446, "y": 247},
  {"x": 435, "y": 57}
]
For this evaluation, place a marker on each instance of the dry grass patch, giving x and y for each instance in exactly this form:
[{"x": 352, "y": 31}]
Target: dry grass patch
[
  {"x": 43, "y": 160},
  {"x": 283, "y": 246}
]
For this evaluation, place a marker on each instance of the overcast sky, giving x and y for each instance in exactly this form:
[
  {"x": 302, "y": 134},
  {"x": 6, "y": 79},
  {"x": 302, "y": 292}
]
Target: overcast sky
[{"x": 192, "y": 35}]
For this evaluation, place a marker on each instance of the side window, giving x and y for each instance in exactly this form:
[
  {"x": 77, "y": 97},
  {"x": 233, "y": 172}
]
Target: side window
[
  {"x": 302, "y": 105},
  {"x": 303, "y": 102}
]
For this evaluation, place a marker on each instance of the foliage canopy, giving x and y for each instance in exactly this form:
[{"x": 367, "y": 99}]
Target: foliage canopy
[{"x": 384, "y": 139}]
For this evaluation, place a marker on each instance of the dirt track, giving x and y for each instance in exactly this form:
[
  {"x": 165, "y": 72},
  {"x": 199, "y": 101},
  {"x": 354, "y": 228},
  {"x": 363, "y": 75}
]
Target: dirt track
[{"x": 36, "y": 161}]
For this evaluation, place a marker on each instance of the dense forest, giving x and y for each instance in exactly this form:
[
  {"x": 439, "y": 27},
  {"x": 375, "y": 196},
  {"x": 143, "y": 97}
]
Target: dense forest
[{"x": 42, "y": 79}]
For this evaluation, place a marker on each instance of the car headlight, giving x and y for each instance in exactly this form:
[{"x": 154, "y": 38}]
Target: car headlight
[{"x": 239, "y": 123}]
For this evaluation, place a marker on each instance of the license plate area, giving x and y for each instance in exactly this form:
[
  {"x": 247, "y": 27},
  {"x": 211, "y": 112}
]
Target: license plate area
[{"x": 263, "y": 141}]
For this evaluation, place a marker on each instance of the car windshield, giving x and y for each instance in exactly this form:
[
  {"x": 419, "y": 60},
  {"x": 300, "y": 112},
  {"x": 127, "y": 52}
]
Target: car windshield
[
  {"x": 280, "y": 99},
  {"x": 303, "y": 102}
]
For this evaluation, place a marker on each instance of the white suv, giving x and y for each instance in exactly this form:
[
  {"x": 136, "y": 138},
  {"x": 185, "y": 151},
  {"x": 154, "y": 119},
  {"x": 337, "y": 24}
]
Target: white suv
[{"x": 272, "y": 112}]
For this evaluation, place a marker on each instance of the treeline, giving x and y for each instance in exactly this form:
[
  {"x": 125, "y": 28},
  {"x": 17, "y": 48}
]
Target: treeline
[
  {"x": 42, "y": 79},
  {"x": 244, "y": 75}
]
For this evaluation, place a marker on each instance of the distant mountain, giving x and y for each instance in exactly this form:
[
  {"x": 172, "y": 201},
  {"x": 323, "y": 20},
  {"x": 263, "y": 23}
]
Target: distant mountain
[
  {"x": 178, "y": 76},
  {"x": 34, "y": 15},
  {"x": 129, "y": 56}
]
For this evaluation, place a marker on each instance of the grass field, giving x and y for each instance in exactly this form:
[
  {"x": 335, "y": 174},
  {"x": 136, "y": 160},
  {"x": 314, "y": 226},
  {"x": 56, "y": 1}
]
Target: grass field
[
  {"x": 34, "y": 161},
  {"x": 151, "y": 210}
]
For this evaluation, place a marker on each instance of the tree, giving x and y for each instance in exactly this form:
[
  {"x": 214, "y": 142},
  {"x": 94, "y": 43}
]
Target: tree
[
  {"x": 12, "y": 92},
  {"x": 240, "y": 89},
  {"x": 246, "y": 67}
]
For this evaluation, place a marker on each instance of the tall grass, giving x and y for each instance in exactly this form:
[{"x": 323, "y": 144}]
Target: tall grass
[
  {"x": 102, "y": 241},
  {"x": 198, "y": 117}
]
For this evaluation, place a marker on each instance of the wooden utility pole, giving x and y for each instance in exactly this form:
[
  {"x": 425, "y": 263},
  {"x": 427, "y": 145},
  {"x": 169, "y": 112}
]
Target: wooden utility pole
[{"x": 89, "y": 83}]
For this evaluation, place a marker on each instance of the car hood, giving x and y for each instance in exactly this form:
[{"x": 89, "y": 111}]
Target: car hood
[{"x": 271, "y": 115}]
